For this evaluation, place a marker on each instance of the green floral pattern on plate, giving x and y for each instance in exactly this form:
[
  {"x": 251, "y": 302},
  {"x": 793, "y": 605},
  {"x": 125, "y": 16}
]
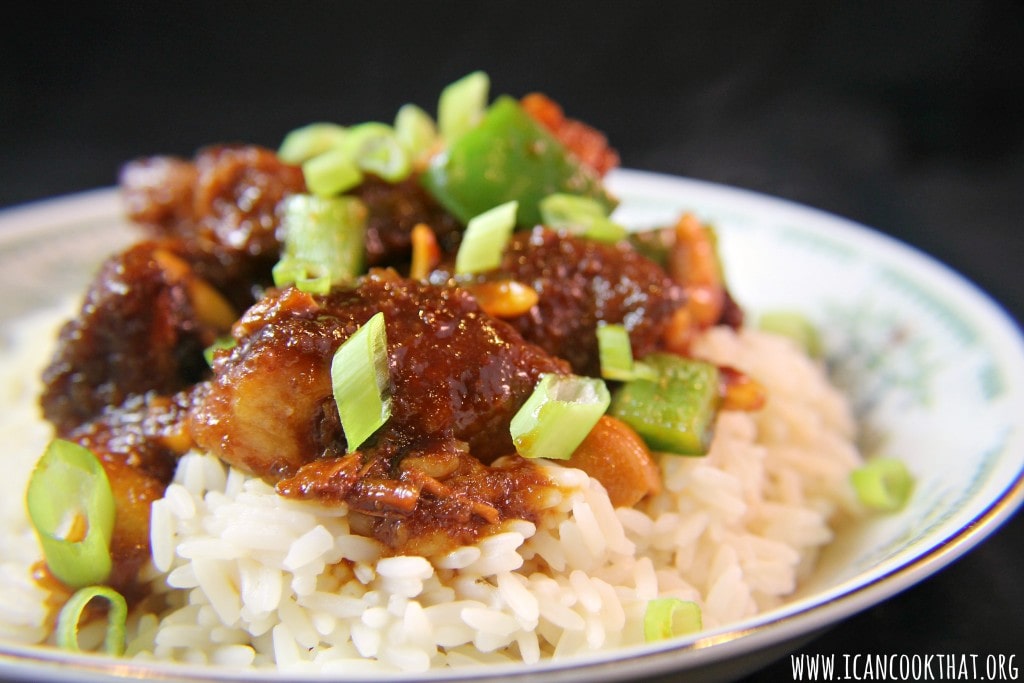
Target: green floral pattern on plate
[{"x": 932, "y": 369}]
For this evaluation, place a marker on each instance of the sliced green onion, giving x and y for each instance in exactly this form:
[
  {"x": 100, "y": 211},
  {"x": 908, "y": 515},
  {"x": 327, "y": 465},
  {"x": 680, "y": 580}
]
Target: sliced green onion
[
  {"x": 302, "y": 144},
  {"x": 670, "y": 617},
  {"x": 580, "y": 215},
  {"x": 324, "y": 240},
  {"x": 370, "y": 147},
  {"x": 462, "y": 105},
  {"x": 676, "y": 411},
  {"x": 361, "y": 381},
  {"x": 71, "y": 506},
  {"x": 794, "y": 325},
  {"x": 558, "y": 415},
  {"x": 415, "y": 130},
  {"x": 615, "y": 351},
  {"x": 654, "y": 243},
  {"x": 616, "y": 354},
  {"x": 71, "y": 614},
  {"x": 332, "y": 172},
  {"x": 375, "y": 148},
  {"x": 485, "y": 239},
  {"x": 225, "y": 342},
  {"x": 883, "y": 484}
]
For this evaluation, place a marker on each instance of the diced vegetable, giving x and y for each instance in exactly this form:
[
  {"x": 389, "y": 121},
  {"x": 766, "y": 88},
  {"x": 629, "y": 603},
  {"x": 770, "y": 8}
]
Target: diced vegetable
[
  {"x": 374, "y": 147},
  {"x": 71, "y": 614},
  {"x": 323, "y": 242},
  {"x": 462, "y": 105},
  {"x": 558, "y": 415},
  {"x": 675, "y": 412},
  {"x": 332, "y": 172},
  {"x": 883, "y": 484},
  {"x": 616, "y": 354},
  {"x": 670, "y": 617},
  {"x": 794, "y": 325},
  {"x": 426, "y": 252},
  {"x": 302, "y": 144},
  {"x": 416, "y": 131},
  {"x": 694, "y": 261},
  {"x": 361, "y": 382},
  {"x": 485, "y": 239},
  {"x": 71, "y": 506},
  {"x": 334, "y": 159},
  {"x": 583, "y": 216},
  {"x": 508, "y": 156},
  {"x": 655, "y": 243},
  {"x": 225, "y": 342}
]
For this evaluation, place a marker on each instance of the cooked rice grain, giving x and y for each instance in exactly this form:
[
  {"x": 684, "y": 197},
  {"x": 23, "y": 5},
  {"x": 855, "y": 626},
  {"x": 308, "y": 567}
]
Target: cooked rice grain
[{"x": 252, "y": 579}]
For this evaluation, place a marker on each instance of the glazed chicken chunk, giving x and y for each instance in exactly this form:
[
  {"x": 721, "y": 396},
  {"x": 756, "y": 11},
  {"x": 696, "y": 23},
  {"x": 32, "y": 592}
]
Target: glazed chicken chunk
[{"x": 457, "y": 376}]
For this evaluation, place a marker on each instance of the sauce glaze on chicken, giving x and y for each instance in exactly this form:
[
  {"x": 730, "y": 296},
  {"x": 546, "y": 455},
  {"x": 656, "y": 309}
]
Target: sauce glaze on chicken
[{"x": 129, "y": 379}]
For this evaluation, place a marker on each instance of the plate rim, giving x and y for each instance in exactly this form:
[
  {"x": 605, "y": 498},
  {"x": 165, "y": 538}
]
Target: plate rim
[{"x": 104, "y": 204}]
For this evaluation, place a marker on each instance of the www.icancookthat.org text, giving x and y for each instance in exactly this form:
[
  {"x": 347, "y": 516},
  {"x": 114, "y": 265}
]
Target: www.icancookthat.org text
[{"x": 902, "y": 667}]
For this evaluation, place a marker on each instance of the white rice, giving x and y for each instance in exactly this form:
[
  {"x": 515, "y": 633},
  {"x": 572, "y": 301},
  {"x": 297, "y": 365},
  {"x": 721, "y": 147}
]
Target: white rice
[{"x": 253, "y": 579}]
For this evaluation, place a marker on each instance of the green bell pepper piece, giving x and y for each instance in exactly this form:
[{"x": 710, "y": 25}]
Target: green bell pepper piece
[
  {"x": 674, "y": 413},
  {"x": 508, "y": 156}
]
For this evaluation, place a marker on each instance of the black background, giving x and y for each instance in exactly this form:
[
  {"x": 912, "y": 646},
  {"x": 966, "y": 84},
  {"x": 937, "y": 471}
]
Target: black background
[{"x": 908, "y": 117}]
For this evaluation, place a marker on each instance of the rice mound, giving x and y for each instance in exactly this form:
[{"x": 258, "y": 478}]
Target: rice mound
[{"x": 244, "y": 577}]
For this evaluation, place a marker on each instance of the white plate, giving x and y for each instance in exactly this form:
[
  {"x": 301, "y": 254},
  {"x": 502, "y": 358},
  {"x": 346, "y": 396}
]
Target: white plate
[{"x": 934, "y": 368}]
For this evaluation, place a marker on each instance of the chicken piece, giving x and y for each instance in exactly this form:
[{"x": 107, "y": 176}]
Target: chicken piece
[
  {"x": 158, "y": 193},
  {"x": 226, "y": 196},
  {"x": 457, "y": 377},
  {"x": 224, "y": 206},
  {"x": 394, "y": 210},
  {"x": 581, "y": 283},
  {"x": 143, "y": 326}
]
